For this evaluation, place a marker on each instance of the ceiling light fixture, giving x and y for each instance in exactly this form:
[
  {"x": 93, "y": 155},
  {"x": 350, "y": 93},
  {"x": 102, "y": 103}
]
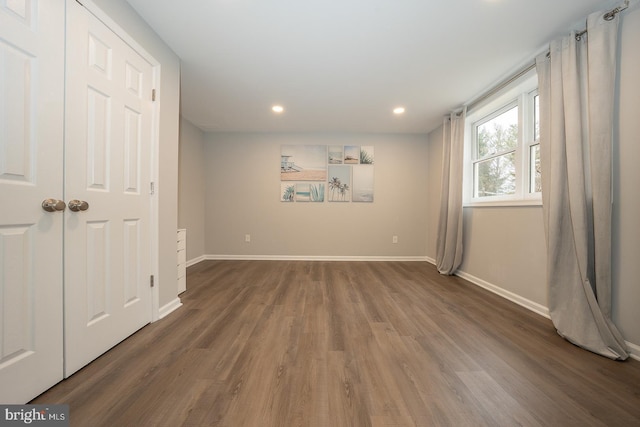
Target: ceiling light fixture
[
  {"x": 398, "y": 110},
  {"x": 277, "y": 108}
]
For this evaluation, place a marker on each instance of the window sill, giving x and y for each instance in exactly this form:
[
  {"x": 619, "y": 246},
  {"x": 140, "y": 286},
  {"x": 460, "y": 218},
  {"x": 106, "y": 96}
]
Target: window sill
[{"x": 503, "y": 203}]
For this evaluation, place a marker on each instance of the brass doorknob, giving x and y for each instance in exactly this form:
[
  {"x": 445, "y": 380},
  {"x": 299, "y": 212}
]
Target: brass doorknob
[
  {"x": 78, "y": 205},
  {"x": 53, "y": 205}
]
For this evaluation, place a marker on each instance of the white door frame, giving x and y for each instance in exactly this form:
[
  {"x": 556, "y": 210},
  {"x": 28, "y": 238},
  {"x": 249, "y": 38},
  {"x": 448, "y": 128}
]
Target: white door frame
[{"x": 96, "y": 11}]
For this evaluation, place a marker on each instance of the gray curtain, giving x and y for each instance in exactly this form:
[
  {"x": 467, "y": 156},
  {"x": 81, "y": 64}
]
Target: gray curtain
[
  {"x": 449, "y": 237},
  {"x": 576, "y": 89}
]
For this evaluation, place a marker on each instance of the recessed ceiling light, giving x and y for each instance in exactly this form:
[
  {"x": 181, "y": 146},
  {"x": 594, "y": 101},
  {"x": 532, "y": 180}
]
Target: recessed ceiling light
[
  {"x": 398, "y": 110},
  {"x": 277, "y": 108}
]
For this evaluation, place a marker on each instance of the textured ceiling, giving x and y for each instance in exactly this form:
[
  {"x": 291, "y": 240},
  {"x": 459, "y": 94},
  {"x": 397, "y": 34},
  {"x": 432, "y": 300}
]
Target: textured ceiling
[{"x": 343, "y": 65}]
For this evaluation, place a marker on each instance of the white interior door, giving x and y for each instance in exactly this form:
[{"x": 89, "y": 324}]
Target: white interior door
[
  {"x": 31, "y": 144},
  {"x": 107, "y": 162}
]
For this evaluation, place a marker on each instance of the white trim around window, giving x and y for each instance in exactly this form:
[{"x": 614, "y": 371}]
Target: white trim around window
[{"x": 501, "y": 164}]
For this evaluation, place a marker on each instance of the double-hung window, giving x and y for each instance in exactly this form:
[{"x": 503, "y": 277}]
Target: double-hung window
[{"x": 502, "y": 151}]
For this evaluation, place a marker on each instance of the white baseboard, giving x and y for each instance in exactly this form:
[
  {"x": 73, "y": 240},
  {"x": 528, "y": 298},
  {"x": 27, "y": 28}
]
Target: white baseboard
[
  {"x": 634, "y": 350},
  {"x": 313, "y": 258},
  {"x": 196, "y": 260},
  {"x": 169, "y": 308},
  {"x": 524, "y": 302}
]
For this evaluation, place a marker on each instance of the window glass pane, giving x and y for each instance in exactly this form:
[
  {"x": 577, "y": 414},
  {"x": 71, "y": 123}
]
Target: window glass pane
[
  {"x": 535, "y": 182},
  {"x": 498, "y": 134},
  {"x": 536, "y": 118},
  {"x": 496, "y": 176}
]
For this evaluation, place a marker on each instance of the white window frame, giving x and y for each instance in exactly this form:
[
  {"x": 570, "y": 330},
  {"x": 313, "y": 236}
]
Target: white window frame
[{"x": 520, "y": 93}]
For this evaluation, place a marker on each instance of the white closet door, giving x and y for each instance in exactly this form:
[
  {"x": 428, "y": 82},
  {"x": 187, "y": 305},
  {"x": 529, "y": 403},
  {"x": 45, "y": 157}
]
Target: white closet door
[
  {"x": 31, "y": 155},
  {"x": 107, "y": 165}
]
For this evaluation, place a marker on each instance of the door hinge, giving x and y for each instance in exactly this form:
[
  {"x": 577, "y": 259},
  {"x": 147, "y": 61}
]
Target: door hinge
[
  {"x": 151, "y": 281},
  {"x": 152, "y": 188},
  {"x": 153, "y": 94}
]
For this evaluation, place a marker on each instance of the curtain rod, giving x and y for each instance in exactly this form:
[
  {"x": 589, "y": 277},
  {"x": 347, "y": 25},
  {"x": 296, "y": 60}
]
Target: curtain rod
[
  {"x": 501, "y": 85},
  {"x": 607, "y": 16}
]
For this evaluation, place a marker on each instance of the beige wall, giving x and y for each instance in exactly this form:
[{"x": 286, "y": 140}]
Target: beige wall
[
  {"x": 626, "y": 207},
  {"x": 169, "y": 95},
  {"x": 191, "y": 190},
  {"x": 243, "y": 197},
  {"x": 505, "y": 246}
]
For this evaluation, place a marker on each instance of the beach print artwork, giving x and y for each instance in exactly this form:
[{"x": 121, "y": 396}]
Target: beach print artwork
[
  {"x": 287, "y": 192},
  {"x": 309, "y": 192},
  {"x": 303, "y": 163},
  {"x": 362, "y": 183},
  {"x": 366, "y": 155},
  {"x": 336, "y": 154},
  {"x": 336, "y": 173},
  {"x": 351, "y": 155},
  {"x": 339, "y": 186}
]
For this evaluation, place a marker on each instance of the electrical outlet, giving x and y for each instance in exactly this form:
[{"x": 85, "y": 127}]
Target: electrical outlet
[
  {"x": 394, "y": 239},
  {"x": 247, "y": 238}
]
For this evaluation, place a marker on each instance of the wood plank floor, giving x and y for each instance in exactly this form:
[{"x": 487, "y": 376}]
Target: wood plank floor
[{"x": 295, "y": 343}]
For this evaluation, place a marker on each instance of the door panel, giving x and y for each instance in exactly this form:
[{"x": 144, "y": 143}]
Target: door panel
[
  {"x": 31, "y": 147},
  {"x": 108, "y": 154},
  {"x": 98, "y": 152},
  {"x": 18, "y": 144}
]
